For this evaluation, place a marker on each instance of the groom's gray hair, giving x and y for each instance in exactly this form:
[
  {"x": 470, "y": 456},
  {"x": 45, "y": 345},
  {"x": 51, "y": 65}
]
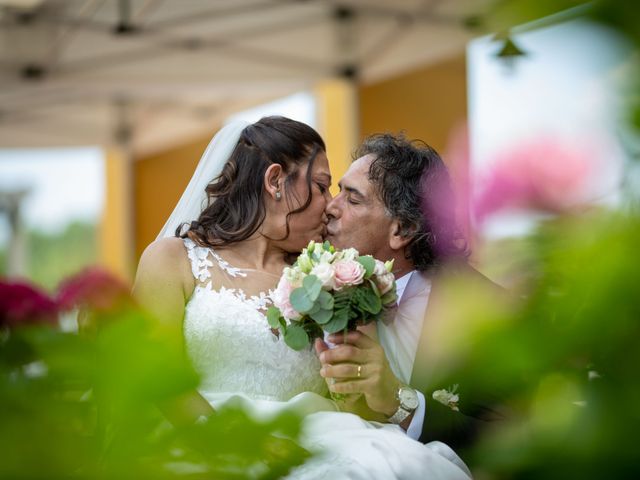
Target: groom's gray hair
[{"x": 414, "y": 185}]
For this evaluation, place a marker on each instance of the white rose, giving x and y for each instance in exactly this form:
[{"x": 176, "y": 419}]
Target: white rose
[
  {"x": 349, "y": 254},
  {"x": 326, "y": 274},
  {"x": 379, "y": 269},
  {"x": 384, "y": 282},
  {"x": 294, "y": 276},
  {"x": 326, "y": 257}
]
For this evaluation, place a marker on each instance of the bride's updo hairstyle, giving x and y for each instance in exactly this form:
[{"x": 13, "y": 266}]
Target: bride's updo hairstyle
[{"x": 236, "y": 206}]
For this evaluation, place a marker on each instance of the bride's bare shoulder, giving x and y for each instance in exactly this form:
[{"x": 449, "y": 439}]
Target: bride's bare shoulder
[
  {"x": 166, "y": 255},
  {"x": 166, "y": 246}
]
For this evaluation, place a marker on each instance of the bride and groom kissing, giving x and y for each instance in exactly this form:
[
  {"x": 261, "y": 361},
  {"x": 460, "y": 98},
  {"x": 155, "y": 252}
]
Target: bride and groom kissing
[{"x": 258, "y": 196}]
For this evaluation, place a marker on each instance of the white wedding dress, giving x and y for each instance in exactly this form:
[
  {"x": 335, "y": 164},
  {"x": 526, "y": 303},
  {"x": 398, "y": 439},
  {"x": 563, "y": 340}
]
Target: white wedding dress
[{"x": 240, "y": 360}]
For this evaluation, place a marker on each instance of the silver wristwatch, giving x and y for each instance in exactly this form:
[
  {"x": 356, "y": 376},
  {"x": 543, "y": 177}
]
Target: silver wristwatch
[{"x": 408, "y": 399}]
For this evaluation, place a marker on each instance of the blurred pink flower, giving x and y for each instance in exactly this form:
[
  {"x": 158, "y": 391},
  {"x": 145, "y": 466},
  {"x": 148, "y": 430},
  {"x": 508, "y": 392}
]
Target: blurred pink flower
[
  {"x": 543, "y": 175},
  {"x": 23, "y": 304},
  {"x": 96, "y": 289}
]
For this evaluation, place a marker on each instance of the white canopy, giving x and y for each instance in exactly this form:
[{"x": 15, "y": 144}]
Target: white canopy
[{"x": 150, "y": 72}]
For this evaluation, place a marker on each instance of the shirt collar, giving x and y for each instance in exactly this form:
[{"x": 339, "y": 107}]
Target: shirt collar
[{"x": 401, "y": 284}]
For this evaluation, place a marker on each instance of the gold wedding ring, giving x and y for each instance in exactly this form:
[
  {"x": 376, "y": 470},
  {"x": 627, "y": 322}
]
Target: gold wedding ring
[{"x": 359, "y": 371}]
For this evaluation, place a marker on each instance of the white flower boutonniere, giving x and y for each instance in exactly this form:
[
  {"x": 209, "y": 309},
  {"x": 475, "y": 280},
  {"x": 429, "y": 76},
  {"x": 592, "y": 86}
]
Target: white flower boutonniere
[{"x": 448, "y": 398}]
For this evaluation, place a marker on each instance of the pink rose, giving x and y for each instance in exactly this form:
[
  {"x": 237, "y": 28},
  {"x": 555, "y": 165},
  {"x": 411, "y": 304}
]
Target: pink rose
[
  {"x": 348, "y": 272},
  {"x": 281, "y": 299}
]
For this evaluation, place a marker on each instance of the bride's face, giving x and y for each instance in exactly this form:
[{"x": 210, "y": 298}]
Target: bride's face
[{"x": 309, "y": 224}]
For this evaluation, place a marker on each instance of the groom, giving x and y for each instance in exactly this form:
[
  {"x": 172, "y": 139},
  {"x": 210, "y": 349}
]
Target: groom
[{"x": 395, "y": 202}]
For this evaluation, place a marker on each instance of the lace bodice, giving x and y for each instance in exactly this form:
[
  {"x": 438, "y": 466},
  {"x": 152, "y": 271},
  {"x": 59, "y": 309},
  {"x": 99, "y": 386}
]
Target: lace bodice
[{"x": 229, "y": 340}]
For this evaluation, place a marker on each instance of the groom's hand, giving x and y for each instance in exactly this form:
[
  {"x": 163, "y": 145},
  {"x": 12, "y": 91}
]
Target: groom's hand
[{"x": 375, "y": 381}]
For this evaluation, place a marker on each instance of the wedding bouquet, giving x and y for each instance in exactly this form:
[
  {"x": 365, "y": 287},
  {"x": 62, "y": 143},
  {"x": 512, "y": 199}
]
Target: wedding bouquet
[{"x": 329, "y": 290}]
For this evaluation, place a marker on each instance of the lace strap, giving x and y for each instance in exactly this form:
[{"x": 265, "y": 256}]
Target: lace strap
[{"x": 200, "y": 263}]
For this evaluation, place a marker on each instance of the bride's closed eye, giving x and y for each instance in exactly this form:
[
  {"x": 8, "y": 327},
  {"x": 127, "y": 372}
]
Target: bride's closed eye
[{"x": 322, "y": 187}]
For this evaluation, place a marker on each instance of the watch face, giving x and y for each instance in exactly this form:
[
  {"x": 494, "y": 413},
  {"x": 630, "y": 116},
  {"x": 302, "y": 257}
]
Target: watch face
[{"x": 408, "y": 398}]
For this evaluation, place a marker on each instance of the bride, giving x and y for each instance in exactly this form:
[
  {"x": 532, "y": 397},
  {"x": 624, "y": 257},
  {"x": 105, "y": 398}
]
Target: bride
[{"x": 258, "y": 196}]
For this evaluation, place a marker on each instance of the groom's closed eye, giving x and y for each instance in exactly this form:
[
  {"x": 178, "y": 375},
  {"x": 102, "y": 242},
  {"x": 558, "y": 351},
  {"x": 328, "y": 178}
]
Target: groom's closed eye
[{"x": 354, "y": 196}]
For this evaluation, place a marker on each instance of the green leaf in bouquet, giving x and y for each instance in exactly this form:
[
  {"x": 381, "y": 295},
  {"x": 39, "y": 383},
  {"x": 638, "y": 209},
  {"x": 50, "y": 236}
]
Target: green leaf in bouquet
[
  {"x": 368, "y": 301},
  {"x": 368, "y": 263},
  {"x": 374, "y": 287},
  {"x": 296, "y": 337},
  {"x": 321, "y": 316},
  {"x": 342, "y": 298},
  {"x": 316, "y": 307},
  {"x": 312, "y": 285},
  {"x": 273, "y": 317},
  {"x": 325, "y": 300},
  {"x": 389, "y": 297},
  {"x": 338, "y": 322},
  {"x": 300, "y": 300}
]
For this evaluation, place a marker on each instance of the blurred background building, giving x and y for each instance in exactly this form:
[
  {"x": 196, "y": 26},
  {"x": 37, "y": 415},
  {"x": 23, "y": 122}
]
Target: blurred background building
[{"x": 110, "y": 103}]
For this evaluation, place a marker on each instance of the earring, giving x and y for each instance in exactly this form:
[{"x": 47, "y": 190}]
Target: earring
[{"x": 278, "y": 195}]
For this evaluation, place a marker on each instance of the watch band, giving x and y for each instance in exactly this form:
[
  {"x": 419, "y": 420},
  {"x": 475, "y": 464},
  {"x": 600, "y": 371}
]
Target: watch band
[
  {"x": 403, "y": 410},
  {"x": 400, "y": 415}
]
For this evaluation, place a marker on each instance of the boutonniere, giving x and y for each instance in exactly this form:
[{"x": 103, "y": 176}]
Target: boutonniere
[{"x": 448, "y": 398}]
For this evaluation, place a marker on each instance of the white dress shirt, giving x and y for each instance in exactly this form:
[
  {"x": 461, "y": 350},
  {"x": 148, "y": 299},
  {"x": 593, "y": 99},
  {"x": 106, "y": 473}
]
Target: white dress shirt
[{"x": 400, "y": 337}]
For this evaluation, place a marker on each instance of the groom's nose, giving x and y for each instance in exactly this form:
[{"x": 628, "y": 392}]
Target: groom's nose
[{"x": 332, "y": 209}]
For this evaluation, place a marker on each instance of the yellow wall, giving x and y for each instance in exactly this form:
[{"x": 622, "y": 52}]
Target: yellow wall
[
  {"x": 115, "y": 235},
  {"x": 429, "y": 104},
  {"x": 426, "y": 103},
  {"x": 160, "y": 180},
  {"x": 337, "y": 116}
]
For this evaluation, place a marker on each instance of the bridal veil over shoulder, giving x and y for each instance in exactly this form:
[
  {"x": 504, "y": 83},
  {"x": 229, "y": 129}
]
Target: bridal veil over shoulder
[{"x": 193, "y": 199}]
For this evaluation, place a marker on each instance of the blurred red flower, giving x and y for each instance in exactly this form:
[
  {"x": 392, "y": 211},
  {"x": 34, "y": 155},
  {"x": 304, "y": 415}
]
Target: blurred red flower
[
  {"x": 22, "y": 304},
  {"x": 96, "y": 289}
]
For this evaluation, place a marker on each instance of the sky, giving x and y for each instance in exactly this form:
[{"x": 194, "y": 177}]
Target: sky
[
  {"x": 64, "y": 184},
  {"x": 565, "y": 89}
]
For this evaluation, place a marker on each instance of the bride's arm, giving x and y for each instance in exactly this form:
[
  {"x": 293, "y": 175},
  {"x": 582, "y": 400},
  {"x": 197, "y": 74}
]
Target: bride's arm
[{"x": 163, "y": 285}]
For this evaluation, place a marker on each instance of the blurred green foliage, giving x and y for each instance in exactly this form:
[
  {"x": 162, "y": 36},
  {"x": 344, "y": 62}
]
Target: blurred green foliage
[
  {"x": 562, "y": 360},
  {"x": 51, "y": 257},
  {"x": 85, "y": 406}
]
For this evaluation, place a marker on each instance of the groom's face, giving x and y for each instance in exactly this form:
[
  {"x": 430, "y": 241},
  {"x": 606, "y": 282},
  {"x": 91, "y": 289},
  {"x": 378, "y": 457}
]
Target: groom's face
[{"x": 357, "y": 215}]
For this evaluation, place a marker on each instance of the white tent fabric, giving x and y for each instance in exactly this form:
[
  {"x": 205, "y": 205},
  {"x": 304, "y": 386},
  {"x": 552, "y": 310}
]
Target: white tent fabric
[{"x": 144, "y": 72}]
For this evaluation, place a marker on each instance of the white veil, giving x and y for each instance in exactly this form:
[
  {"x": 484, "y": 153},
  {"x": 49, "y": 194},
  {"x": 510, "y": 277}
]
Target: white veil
[{"x": 194, "y": 198}]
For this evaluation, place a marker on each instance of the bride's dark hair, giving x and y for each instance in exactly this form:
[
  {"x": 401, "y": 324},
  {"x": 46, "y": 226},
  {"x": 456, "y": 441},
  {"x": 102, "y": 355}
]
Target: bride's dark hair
[{"x": 236, "y": 206}]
